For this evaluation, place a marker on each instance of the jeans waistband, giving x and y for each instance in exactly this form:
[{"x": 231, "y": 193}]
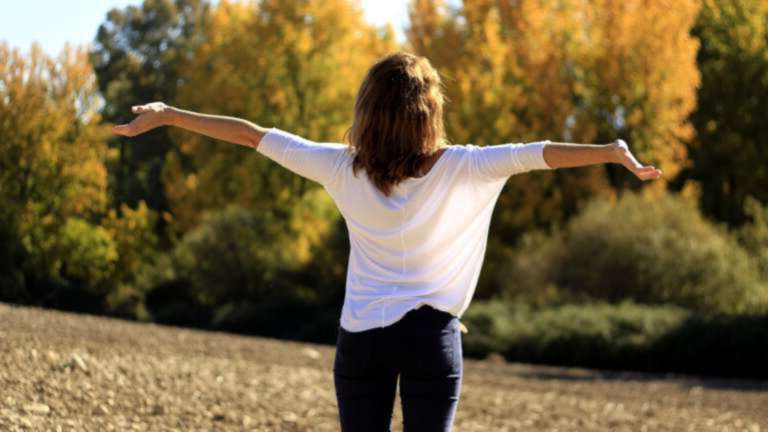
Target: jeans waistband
[{"x": 426, "y": 315}]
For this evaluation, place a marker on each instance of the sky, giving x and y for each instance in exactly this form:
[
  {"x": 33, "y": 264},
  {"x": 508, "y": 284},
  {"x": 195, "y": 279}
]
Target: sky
[{"x": 53, "y": 22}]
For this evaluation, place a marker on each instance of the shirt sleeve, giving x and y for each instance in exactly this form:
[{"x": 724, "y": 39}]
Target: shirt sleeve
[
  {"x": 313, "y": 160},
  {"x": 494, "y": 162}
]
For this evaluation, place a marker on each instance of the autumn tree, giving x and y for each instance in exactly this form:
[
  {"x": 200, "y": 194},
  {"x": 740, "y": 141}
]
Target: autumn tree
[
  {"x": 590, "y": 72},
  {"x": 53, "y": 183},
  {"x": 52, "y": 176},
  {"x": 294, "y": 65}
]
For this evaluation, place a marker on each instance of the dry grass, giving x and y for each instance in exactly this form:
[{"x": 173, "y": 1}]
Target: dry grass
[{"x": 66, "y": 372}]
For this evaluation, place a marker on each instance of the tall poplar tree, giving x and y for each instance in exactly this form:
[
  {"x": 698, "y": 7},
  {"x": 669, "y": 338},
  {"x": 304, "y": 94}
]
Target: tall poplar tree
[
  {"x": 137, "y": 56},
  {"x": 730, "y": 151}
]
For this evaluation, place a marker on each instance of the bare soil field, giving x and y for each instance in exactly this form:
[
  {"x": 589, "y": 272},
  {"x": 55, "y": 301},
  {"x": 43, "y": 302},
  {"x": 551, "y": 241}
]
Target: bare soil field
[{"x": 65, "y": 372}]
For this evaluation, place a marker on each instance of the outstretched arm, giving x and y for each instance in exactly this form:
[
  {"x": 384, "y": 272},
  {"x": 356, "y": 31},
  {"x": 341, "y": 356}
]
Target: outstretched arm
[
  {"x": 156, "y": 114},
  {"x": 316, "y": 161},
  {"x": 569, "y": 155}
]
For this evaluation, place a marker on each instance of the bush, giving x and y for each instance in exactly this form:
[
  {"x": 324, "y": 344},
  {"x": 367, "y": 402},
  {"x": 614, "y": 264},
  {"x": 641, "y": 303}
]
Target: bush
[
  {"x": 89, "y": 254},
  {"x": 245, "y": 272},
  {"x": 291, "y": 319},
  {"x": 754, "y": 234},
  {"x": 233, "y": 255},
  {"x": 173, "y": 303},
  {"x": 597, "y": 335},
  {"x": 530, "y": 274},
  {"x": 12, "y": 256},
  {"x": 623, "y": 336},
  {"x": 656, "y": 250}
]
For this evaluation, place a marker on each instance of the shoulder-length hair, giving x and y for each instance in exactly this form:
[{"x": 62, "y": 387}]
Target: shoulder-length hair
[{"x": 398, "y": 120}]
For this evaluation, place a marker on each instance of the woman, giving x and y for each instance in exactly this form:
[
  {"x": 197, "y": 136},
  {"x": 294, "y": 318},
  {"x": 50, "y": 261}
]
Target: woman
[{"x": 418, "y": 212}]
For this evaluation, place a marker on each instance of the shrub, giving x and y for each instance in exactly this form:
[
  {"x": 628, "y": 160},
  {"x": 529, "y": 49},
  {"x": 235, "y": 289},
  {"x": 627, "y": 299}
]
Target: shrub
[
  {"x": 287, "y": 319},
  {"x": 754, "y": 234},
  {"x": 597, "y": 334},
  {"x": 529, "y": 276},
  {"x": 236, "y": 262},
  {"x": 647, "y": 250},
  {"x": 623, "y": 336},
  {"x": 88, "y": 253},
  {"x": 232, "y": 255},
  {"x": 12, "y": 284}
]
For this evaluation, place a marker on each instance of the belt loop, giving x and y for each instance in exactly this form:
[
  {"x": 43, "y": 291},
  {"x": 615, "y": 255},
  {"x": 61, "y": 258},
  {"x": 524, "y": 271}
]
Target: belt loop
[{"x": 462, "y": 327}]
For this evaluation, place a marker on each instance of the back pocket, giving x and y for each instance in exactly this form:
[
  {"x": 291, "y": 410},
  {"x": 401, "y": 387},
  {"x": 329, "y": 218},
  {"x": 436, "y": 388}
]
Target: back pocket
[{"x": 435, "y": 354}]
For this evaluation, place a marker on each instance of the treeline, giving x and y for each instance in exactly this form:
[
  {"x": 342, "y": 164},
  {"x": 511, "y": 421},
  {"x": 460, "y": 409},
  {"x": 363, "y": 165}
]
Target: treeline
[{"x": 174, "y": 227}]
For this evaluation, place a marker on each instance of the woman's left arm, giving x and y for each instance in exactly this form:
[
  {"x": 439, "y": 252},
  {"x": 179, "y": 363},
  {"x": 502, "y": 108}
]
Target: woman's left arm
[
  {"x": 225, "y": 128},
  {"x": 571, "y": 155}
]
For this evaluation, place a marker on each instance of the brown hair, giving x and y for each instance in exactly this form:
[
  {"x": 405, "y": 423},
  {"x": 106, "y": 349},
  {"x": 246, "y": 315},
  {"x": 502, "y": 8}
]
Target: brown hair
[{"x": 398, "y": 119}]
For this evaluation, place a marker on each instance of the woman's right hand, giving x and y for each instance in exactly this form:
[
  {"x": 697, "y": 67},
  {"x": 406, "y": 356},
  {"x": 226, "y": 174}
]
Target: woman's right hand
[
  {"x": 626, "y": 158},
  {"x": 151, "y": 115}
]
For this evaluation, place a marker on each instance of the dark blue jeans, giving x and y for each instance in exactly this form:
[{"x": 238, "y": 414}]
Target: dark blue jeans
[{"x": 424, "y": 350}]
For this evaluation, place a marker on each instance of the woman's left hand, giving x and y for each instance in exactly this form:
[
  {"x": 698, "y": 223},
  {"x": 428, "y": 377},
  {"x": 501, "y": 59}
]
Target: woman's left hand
[
  {"x": 625, "y": 157},
  {"x": 151, "y": 115}
]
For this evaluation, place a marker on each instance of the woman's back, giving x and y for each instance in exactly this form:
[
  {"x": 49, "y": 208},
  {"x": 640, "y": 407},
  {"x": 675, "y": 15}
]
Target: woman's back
[{"x": 422, "y": 244}]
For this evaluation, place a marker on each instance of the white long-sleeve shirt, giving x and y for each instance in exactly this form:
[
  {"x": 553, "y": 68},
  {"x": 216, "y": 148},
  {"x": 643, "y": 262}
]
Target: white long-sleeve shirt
[{"x": 424, "y": 244}]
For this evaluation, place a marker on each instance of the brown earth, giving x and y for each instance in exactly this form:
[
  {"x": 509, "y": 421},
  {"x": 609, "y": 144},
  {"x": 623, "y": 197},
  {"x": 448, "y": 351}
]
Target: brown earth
[{"x": 65, "y": 372}]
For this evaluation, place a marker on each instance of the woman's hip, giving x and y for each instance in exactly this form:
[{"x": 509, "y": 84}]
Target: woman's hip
[{"x": 425, "y": 340}]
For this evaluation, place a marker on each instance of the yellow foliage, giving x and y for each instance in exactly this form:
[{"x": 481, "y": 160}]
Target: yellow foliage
[
  {"x": 133, "y": 232},
  {"x": 51, "y": 150},
  {"x": 310, "y": 222},
  {"x": 290, "y": 64},
  {"x": 572, "y": 71}
]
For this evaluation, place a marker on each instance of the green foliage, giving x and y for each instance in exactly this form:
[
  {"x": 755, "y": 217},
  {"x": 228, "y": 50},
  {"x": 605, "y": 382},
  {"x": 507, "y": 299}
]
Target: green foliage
[
  {"x": 89, "y": 253},
  {"x": 729, "y": 152},
  {"x": 649, "y": 250},
  {"x": 236, "y": 254},
  {"x": 233, "y": 255},
  {"x": 137, "y": 56},
  {"x": 52, "y": 176},
  {"x": 133, "y": 232},
  {"x": 525, "y": 273},
  {"x": 292, "y": 319},
  {"x": 573, "y": 334},
  {"x": 754, "y": 234},
  {"x": 134, "y": 236},
  {"x": 12, "y": 284},
  {"x": 623, "y": 336},
  {"x": 60, "y": 244}
]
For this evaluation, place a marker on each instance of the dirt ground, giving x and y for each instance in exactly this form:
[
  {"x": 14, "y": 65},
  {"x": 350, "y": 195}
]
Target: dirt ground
[{"x": 63, "y": 372}]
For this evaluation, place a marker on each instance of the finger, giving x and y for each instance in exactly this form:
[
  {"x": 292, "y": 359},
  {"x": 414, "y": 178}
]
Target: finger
[
  {"x": 123, "y": 129},
  {"x": 652, "y": 170},
  {"x": 648, "y": 173},
  {"x": 645, "y": 176}
]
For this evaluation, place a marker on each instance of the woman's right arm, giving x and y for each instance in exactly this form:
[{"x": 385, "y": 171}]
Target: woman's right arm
[{"x": 570, "y": 155}]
